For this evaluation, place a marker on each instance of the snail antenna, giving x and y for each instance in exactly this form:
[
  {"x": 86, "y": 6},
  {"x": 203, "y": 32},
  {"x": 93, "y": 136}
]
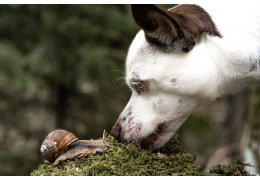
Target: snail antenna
[{"x": 104, "y": 135}]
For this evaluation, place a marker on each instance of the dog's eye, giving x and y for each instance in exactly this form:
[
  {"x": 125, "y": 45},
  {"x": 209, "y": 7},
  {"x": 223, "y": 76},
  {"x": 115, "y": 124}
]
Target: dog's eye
[{"x": 139, "y": 85}]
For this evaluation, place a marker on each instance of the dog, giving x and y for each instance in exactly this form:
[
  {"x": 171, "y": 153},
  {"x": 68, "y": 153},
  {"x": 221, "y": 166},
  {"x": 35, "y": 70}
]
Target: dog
[{"x": 181, "y": 58}]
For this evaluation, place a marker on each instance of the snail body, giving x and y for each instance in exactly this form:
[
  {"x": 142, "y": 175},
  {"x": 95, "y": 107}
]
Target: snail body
[{"x": 69, "y": 147}]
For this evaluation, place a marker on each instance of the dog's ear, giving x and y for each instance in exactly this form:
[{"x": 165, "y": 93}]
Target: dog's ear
[
  {"x": 159, "y": 27},
  {"x": 181, "y": 26}
]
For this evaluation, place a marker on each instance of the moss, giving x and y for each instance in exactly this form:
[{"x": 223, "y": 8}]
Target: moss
[
  {"x": 127, "y": 160},
  {"x": 238, "y": 169}
]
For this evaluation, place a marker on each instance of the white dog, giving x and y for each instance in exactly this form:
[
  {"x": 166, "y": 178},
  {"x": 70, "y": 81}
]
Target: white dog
[{"x": 184, "y": 57}]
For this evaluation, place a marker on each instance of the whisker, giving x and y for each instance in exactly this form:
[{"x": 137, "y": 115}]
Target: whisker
[
  {"x": 136, "y": 141},
  {"x": 117, "y": 79},
  {"x": 120, "y": 85},
  {"x": 202, "y": 118},
  {"x": 156, "y": 133},
  {"x": 117, "y": 71},
  {"x": 149, "y": 139}
]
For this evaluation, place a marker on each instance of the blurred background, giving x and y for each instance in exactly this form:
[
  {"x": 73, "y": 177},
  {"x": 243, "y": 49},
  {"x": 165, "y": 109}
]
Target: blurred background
[{"x": 62, "y": 66}]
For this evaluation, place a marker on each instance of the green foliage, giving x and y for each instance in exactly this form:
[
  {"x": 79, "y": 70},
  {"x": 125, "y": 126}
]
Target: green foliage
[
  {"x": 69, "y": 52},
  {"x": 127, "y": 160},
  {"x": 253, "y": 113},
  {"x": 57, "y": 66}
]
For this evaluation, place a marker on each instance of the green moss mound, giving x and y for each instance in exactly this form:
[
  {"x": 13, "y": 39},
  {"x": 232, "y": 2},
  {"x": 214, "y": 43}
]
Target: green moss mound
[
  {"x": 238, "y": 169},
  {"x": 127, "y": 160}
]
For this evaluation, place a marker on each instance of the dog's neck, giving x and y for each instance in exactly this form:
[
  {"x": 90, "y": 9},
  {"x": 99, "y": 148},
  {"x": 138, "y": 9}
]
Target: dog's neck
[{"x": 236, "y": 66}]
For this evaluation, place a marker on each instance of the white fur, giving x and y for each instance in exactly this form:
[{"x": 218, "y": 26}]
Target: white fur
[{"x": 213, "y": 68}]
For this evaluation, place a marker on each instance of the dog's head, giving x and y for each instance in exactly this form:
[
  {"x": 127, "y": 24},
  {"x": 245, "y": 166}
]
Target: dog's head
[{"x": 160, "y": 72}]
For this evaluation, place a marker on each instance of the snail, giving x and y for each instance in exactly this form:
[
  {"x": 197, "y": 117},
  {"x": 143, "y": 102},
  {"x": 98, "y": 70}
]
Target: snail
[{"x": 60, "y": 145}]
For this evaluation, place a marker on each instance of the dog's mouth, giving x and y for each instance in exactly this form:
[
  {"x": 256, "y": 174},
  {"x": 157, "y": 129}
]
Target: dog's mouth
[
  {"x": 144, "y": 143},
  {"x": 148, "y": 142}
]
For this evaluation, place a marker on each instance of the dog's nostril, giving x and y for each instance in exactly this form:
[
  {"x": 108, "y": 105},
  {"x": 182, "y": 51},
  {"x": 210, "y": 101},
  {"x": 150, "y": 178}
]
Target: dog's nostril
[{"x": 116, "y": 130}]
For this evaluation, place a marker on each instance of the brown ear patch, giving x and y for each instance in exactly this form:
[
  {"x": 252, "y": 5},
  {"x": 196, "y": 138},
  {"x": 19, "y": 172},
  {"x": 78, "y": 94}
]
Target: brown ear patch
[
  {"x": 193, "y": 21},
  {"x": 149, "y": 17},
  {"x": 180, "y": 28},
  {"x": 158, "y": 26}
]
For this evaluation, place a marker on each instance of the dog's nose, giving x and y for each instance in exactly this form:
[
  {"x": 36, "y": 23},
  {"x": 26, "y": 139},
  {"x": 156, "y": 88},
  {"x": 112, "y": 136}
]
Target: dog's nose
[{"x": 116, "y": 131}]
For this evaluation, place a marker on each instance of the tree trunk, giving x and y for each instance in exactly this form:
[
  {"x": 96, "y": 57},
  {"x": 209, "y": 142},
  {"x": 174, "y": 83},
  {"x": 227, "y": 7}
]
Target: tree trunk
[
  {"x": 250, "y": 142},
  {"x": 61, "y": 106}
]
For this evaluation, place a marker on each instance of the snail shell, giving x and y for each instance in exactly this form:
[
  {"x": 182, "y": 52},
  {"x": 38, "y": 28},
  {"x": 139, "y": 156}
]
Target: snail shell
[{"x": 56, "y": 143}]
